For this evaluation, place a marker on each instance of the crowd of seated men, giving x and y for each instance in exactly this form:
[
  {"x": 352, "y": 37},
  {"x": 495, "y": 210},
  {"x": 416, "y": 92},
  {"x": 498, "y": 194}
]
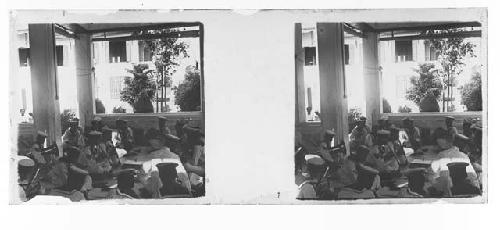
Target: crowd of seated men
[
  {"x": 100, "y": 162},
  {"x": 387, "y": 161}
]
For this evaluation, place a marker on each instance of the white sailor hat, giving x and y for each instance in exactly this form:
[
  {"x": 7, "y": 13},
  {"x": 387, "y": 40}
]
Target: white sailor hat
[
  {"x": 95, "y": 133},
  {"x": 383, "y": 132},
  {"x": 26, "y": 162},
  {"x": 449, "y": 118},
  {"x": 314, "y": 160}
]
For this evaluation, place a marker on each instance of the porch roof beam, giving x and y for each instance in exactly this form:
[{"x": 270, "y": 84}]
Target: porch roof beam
[
  {"x": 180, "y": 34},
  {"x": 431, "y": 27},
  {"x": 143, "y": 27},
  {"x": 462, "y": 34}
]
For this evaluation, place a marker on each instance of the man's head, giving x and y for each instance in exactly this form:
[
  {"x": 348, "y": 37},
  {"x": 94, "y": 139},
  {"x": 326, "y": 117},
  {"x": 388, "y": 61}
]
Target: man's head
[
  {"x": 407, "y": 122},
  {"x": 121, "y": 124},
  {"x": 315, "y": 165},
  {"x": 329, "y": 135},
  {"x": 309, "y": 109},
  {"x": 94, "y": 137},
  {"x": 444, "y": 139},
  {"x": 96, "y": 122},
  {"x": 361, "y": 154},
  {"x": 50, "y": 154},
  {"x": 40, "y": 138},
  {"x": 449, "y": 121},
  {"x": 155, "y": 139},
  {"x": 73, "y": 124},
  {"x": 383, "y": 136},
  {"x": 22, "y": 111},
  {"x": 361, "y": 121}
]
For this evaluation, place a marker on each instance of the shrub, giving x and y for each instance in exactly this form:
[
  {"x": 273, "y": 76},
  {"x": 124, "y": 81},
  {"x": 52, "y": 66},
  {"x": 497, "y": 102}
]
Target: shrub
[
  {"x": 386, "y": 107},
  {"x": 404, "y": 109},
  {"x": 99, "y": 106},
  {"x": 429, "y": 104},
  {"x": 119, "y": 109}
]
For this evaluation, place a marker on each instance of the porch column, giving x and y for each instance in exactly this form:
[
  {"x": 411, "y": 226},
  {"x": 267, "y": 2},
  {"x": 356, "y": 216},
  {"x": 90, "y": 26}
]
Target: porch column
[
  {"x": 44, "y": 82},
  {"x": 333, "y": 97},
  {"x": 84, "y": 79},
  {"x": 372, "y": 77},
  {"x": 300, "y": 109}
]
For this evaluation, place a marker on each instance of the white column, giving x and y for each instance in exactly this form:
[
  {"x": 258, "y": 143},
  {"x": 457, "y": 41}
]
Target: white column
[
  {"x": 84, "y": 79},
  {"x": 300, "y": 109},
  {"x": 372, "y": 77},
  {"x": 44, "y": 81},
  {"x": 332, "y": 79}
]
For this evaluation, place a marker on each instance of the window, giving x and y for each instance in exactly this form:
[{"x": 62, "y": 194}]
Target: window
[
  {"x": 117, "y": 51},
  {"x": 60, "y": 55},
  {"x": 24, "y": 56},
  {"x": 430, "y": 52},
  {"x": 310, "y": 56},
  {"x": 404, "y": 51},
  {"x": 115, "y": 86},
  {"x": 145, "y": 53}
]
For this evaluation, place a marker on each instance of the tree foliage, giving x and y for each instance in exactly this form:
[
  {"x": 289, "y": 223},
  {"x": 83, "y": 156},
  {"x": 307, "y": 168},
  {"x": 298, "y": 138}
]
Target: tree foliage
[
  {"x": 426, "y": 82},
  {"x": 187, "y": 93},
  {"x": 140, "y": 89},
  {"x": 471, "y": 92}
]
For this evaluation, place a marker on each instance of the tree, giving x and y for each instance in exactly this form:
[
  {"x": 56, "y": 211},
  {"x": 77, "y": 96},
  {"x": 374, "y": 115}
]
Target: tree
[
  {"x": 471, "y": 92},
  {"x": 427, "y": 84},
  {"x": 187, "y": 93},
  {"x": 451, "y": 52},
  {"x": 167, "y": 52},
  {"x": 140, "y": 89}
]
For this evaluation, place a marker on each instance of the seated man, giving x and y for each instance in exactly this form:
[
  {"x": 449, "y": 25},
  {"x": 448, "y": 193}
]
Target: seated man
[
  {"x": 124, "y": 137},
  {"x": 439, "y": 177},
  {"x": 383, "y": 156},
  {"x": 315, "y": 170},
  {"x": 73, "y": 136},
  {"x": 95, "y": 156},
  {"x": 411, "y": 137},
  {"x": 37, "y": 148},
  {"x": 325, "y": 145},
  {"x": 359, "y": 133},
  {"x": 64, "y": 174},
  {"x": 162, "y": 125},
  {"x": 155, "y": 153},
  {"x": 367, "y": 180}
]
